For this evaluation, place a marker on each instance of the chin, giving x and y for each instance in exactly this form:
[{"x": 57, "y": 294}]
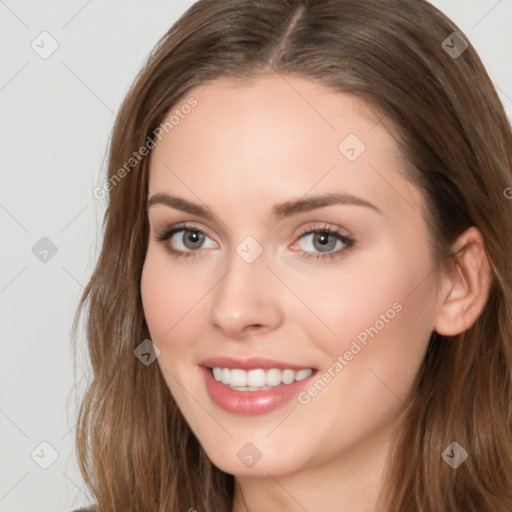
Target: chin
[{"x": 253, "y": 459}]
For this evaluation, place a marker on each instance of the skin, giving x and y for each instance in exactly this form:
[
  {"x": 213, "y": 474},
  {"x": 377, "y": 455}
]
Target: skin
[{"x": 245, "y": 148}]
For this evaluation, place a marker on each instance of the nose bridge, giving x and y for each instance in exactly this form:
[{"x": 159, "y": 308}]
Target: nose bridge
[{"x": 243, "y": 298}]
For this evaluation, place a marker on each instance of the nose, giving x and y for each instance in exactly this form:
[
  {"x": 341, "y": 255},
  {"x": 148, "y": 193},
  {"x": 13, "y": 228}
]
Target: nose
[{"x": 243, "y": 302}]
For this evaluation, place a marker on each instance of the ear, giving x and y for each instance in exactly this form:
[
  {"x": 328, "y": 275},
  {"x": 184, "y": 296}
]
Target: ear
[{"x": 465, "y": 285}]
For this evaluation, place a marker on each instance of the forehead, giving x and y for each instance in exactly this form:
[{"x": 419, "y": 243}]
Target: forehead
[{"x": 276, "y": 135}]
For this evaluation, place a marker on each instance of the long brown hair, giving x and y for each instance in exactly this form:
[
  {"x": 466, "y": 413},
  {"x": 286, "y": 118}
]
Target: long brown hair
[{"x": 135, "y": 450}]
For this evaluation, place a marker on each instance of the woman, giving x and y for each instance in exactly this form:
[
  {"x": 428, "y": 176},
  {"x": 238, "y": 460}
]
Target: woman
[{"x": 303, "y": 298}]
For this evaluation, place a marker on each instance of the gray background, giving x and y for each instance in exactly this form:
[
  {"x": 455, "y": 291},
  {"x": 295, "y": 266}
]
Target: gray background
[{"x": 57, "y": 113}]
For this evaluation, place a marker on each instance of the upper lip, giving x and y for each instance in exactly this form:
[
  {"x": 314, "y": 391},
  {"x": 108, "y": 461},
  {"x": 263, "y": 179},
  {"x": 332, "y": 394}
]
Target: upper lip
[{"x": 250, "y": 363}]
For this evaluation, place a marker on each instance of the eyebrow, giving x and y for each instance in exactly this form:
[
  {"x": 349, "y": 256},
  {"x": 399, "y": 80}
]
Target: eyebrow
[{"x": 279, "y": 211}]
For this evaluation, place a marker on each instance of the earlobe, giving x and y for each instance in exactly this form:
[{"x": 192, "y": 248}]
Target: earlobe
[{"x": 465, "y": 286}]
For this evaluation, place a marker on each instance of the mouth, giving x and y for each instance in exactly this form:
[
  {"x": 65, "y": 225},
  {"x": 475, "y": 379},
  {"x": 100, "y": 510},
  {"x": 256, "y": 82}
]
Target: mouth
[
  {"x": 258, "y": 379},
  {"x": 253, "y": 386}
]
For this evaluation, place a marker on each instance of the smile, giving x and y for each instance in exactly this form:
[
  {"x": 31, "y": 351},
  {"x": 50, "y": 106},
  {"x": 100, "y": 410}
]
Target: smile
[
  {"x": 258, "y": 379},
  {"x": 254, "y": 391}
]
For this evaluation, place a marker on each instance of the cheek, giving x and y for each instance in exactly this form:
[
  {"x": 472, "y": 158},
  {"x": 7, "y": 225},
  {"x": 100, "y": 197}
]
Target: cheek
[
  {"x": 382, "y": 327},
  {"x": 155, "y": 299},
  {"x": 169, "y": 301},
  {"x": 379, "y": 316},
  {"x": 385, "y": 327},
  {"x": 359, "y": 294},
  {"x": 167, "y": 295}
]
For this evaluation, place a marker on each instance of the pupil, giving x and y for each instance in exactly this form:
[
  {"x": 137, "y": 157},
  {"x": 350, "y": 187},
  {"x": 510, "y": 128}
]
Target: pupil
[
  {"x": 323, "y": 239},
  {"x": 194, "y": 239}
]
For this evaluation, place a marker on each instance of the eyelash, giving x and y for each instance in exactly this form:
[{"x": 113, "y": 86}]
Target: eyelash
[{"x": 165, "y": 235}]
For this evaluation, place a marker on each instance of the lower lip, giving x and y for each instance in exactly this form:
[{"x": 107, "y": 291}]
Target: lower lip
[{"x": 251, "y": 402}]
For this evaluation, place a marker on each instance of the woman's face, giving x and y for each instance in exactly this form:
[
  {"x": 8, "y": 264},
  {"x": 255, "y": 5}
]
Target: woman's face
[{"x": 304, "y": 249}]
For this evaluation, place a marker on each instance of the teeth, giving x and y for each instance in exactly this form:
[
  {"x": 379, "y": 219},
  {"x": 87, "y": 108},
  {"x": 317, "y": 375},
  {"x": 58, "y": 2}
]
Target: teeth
[
  {"x": 274, "y": 377},
  {"x": 288, "y": 376},
  {"x": 217, "y": 373},
  {"x": 302, "y": 374},
  {"x": 237, "y": 377},
  {"x": 255, "y": 378},
  {"x": 258, "y": 379}
]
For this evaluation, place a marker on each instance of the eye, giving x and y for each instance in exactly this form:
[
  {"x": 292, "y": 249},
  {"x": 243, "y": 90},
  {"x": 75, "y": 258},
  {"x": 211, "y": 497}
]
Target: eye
[
  {"x": 184, "y": 240},
  {"x": 323, "y": 242}
]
